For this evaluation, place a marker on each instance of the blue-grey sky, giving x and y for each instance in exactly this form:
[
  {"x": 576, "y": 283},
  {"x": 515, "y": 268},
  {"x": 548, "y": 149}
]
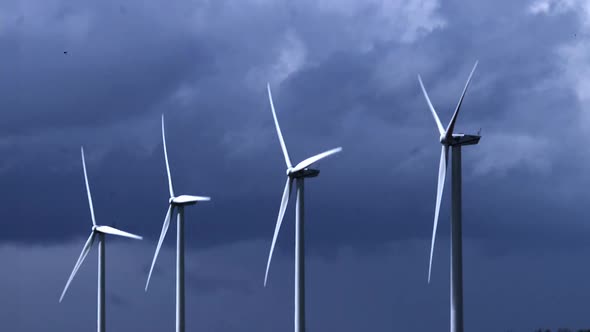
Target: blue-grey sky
[{"x": 343, "y": 73}]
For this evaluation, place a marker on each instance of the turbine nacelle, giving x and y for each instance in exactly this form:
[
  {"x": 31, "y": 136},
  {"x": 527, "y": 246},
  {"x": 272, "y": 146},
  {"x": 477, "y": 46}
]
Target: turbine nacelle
[
  {"x": 98, "y": 229},
  {"x": 303, "y": 173},
  {"x": 460, "y": 139},
  {"x": 187, "y": 200}
]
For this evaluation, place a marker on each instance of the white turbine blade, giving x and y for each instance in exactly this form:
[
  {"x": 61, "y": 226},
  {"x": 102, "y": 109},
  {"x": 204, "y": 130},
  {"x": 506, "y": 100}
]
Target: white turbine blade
[
  {"x": 441, "y": 130},
  {"x": 442, "y": 173},
  {"x": 284, "y": 202},
  {"x": 451, "y": 126},
  {"x": 162, "y": 235},
  {"x": 87, "y": 187},
  {"x": 309, "y": 161},
  {"x": 166, "y": 157},
  {"x": 274, "y": 115},
  {"x": 83, "y": 255},
  {"x": 118, "y": 232}
]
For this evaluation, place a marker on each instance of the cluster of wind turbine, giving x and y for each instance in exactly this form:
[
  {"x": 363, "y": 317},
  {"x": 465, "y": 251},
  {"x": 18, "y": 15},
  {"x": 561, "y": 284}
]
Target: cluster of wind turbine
[
  {"x": 99, "y": 232},
  {"x": 449, "y": 139},
  {"x": 178, "y": 203},
  {"x": 298, "y": 174}
]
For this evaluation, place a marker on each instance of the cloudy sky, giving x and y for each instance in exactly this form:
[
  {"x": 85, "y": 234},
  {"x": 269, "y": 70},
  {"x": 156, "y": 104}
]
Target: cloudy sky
[{"x": 343, "y": 73}]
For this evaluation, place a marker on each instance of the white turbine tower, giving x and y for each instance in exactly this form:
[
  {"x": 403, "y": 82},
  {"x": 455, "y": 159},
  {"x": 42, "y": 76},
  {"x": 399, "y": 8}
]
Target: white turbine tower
[
  {"x": 449, "y": 139},
  {"x": 298, "y": 173},
  {"x": 97, "y": 231},
  {"x": 175, "y": 202}
]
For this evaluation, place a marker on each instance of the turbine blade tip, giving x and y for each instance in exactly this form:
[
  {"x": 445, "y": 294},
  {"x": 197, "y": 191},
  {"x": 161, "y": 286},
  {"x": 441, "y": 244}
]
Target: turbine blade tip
[{"x": 266, "y": 274}]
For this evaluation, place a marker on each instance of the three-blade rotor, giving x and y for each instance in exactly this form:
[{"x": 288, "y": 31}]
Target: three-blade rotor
[
  {"x": 95, "y": 230},
  {"x": 172, "y": 203},
  {"x": 292, "y": 173},
  {"x": 446, "y": 139}
]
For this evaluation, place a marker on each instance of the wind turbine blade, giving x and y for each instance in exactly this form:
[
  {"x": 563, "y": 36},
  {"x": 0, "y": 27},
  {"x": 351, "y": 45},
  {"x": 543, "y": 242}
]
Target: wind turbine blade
[
  {"x": 83, "y": 255},
  {"x": 162, "y": 235},
  {"x": 118, "y": 232},
  {"x": 274, "y": 115},
  {"x": 166, "y": 157},
  {"x": 284, "y": 202},
  {"x": 451, "y": 126},
  {"x": 309, "y": 161},
  {"x": 442, "y": 172},
  {"x": 441, "y": 130},
  {"x": 87, "y": 187}
]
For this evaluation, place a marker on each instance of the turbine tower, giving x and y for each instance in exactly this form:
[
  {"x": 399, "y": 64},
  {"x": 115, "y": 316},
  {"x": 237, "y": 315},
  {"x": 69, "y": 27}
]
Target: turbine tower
[
  {"x": 97, "y": 231},
  {"x": 175, "y": 202},
  {"x": 449, "y": 139},
  {"x": 298, "y": 173}
]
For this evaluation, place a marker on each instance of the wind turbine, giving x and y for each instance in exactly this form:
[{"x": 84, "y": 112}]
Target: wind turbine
[
  {"x": 449, "y": 139},
  {"x": 298, "y": 173},
  {"x": 175, "y": 202},
  {"x": 97, "y": 231}
]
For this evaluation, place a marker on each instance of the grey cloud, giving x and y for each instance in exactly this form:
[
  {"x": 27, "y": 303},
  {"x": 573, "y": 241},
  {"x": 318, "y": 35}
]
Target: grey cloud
[
  {"x": 342, "y": 73},
  {"x": 349, "y": 291},
  {"x": 207, "y": 67},
  {"x": 111, "y": 73}
]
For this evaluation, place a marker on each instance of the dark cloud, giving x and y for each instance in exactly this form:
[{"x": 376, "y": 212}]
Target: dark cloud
[
  {"x": 383, "y": 290},
  {"x": 359, "y": 90},
  {"x": 343, "y": 73}
]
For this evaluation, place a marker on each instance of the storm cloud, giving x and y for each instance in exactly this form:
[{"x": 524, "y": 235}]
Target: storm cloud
[{"x": 343, "y": 73}]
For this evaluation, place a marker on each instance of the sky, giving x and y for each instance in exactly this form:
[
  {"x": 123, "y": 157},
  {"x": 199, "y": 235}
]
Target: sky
[{"x": 343, "y": 73}]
